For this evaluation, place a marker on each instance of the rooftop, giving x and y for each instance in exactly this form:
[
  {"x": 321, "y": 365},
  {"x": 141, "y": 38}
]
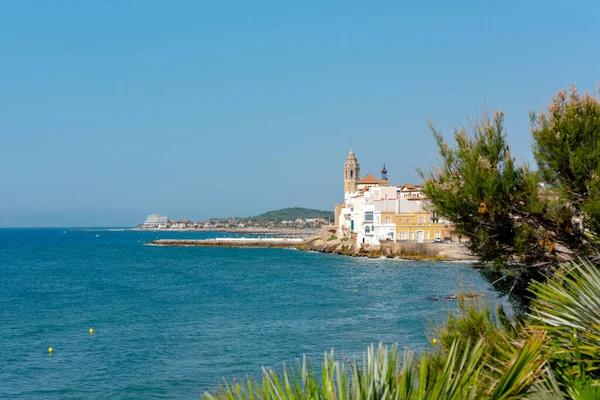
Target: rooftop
[{"x": 368, "y": 180}]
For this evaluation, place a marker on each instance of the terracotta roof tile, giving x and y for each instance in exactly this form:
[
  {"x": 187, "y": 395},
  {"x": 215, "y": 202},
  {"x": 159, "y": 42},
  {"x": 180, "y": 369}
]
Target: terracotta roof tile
[{"x": 368, "y": 180}]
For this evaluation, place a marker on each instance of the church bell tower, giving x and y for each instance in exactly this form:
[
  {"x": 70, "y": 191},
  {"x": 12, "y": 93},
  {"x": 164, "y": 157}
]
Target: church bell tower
[
  {"x": 384, "y": 179},
  {"x": 351, "y": 174}
]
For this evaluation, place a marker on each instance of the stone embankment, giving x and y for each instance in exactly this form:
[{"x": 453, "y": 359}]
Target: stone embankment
[
  {"x": 327, "y": 242},
  {"x": 281, "y": 243}
]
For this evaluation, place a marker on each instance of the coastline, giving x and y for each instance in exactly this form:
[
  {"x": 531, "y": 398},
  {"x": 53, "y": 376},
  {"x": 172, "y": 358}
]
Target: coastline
[
  {"x": 326, "y": 242},
  {"x": 230, "y": 242},
  {"x": 408, "y": 250},
  {"x": 247, "y": 231}
]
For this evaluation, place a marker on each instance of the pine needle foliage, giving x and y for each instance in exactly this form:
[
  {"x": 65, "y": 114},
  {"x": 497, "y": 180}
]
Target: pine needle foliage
[
  {"x": 486, "y": 195},
  {"x": 511, "y": 212},
  {"x": 566, "y": 146}
]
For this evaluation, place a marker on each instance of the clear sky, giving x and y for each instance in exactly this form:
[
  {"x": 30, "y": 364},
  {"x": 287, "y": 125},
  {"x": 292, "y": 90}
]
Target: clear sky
[{"x": 111, "y": 110}]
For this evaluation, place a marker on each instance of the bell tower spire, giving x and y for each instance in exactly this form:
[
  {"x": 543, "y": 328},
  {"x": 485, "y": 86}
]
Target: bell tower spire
[
  {"x": 351, "y": 174},
  {"x": 384, "y": 179}
]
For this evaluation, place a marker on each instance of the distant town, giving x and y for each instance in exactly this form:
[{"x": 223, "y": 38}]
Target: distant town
[
  {"x": 373, "y": 212},
  {"x": 375, "y": 220},
  {"x": 284, "y": 219}
]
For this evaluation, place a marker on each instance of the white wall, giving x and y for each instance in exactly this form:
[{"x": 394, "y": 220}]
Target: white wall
[{"x": 406, "y": 206}]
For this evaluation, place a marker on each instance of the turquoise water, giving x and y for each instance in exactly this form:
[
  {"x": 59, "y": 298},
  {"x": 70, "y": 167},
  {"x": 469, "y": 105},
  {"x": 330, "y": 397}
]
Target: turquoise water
[{"x": 172, "y": 322}]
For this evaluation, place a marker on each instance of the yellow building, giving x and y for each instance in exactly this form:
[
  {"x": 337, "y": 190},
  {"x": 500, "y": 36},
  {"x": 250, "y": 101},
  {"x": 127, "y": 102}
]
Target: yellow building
[
  {"x": 375, "y": 211},
  {"x": 415, "y": 223},
  {"x": 416, "y": 226}
]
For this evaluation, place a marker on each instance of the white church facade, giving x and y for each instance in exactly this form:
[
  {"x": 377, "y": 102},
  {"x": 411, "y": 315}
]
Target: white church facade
[{"x": 373, "y": 211}]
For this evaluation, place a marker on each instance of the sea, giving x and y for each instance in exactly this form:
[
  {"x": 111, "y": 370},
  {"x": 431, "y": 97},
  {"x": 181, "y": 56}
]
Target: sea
[{"x": 175, "y": 322}]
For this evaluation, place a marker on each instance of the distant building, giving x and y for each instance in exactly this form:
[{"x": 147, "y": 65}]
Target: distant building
[
  {"x": 374, "y": 211},
  {"x": 184, "y": 223},
  {"x": 156, "y": 221},
  {"x": 351, "y": 175}
]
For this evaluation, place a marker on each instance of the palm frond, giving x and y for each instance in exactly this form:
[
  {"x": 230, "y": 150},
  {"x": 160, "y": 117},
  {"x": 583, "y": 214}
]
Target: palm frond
[
  {"x": 568, "y": 307},
  {"x": 523, "y": 370}
]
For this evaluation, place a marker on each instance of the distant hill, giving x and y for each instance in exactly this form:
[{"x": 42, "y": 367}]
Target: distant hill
[{"x": 293, "y": 213}]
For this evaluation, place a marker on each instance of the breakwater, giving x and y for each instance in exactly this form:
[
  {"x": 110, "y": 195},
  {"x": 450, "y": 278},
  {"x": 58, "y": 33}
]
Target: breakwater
[
  {"x": 231, "y": 242},
  {"x": 155, "y": 309},
  {"x": 327, "y": 242}
]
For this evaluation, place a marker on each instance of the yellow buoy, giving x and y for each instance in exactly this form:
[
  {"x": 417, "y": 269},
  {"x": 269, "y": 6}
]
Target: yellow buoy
[
  {"x": 50, "y": 349},
  {"x": 91, "y": 331},
  {"x": 434, "y": 341}
]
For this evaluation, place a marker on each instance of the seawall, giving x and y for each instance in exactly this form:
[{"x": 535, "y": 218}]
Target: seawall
[
  {"x": 326, "y": 242},
  {"x": 230, "y": 242}
]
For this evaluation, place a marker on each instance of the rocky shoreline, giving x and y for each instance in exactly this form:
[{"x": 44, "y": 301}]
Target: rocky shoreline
[{"x": 327, "y": 242}]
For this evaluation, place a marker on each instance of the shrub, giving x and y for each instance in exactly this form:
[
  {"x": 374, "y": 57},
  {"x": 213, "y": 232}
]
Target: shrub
[
  {"x": 511, "y": 212},
  {"x": 552, "y": 355}
]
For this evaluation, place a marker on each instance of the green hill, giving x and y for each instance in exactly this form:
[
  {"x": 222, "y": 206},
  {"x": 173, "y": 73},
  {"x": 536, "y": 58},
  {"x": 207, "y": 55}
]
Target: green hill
[{"x": 293, "y": 213}]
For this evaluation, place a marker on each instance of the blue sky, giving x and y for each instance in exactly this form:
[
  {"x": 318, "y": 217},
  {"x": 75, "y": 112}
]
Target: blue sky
[{"x": 113, "y": 110}]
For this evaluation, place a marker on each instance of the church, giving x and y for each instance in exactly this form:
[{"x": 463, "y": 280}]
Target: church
[{"x": 374, "y": 211}]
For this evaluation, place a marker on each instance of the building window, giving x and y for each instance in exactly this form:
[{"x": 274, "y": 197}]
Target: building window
[
  {"x": 421, "y": 220},
  {"x": 438, "y": 235},
  {"x": 388, "y": 220},
  {"x": 367, "y": 229},
  {"x": 402, "y": 235},
  {"x": 368, "y": 216},
  {"x": 408, "y": 220},
  {"x": 351, "y": 174}
]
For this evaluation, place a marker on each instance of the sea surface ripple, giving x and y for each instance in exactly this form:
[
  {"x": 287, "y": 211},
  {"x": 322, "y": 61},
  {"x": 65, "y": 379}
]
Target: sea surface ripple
[{"x": 173, "y": 322}]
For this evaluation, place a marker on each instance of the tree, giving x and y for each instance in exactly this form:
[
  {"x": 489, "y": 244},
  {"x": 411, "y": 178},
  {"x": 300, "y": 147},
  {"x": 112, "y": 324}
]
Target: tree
[
  {"x": 567, "y": 150},
  {"x": 510, "y": 212}
]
